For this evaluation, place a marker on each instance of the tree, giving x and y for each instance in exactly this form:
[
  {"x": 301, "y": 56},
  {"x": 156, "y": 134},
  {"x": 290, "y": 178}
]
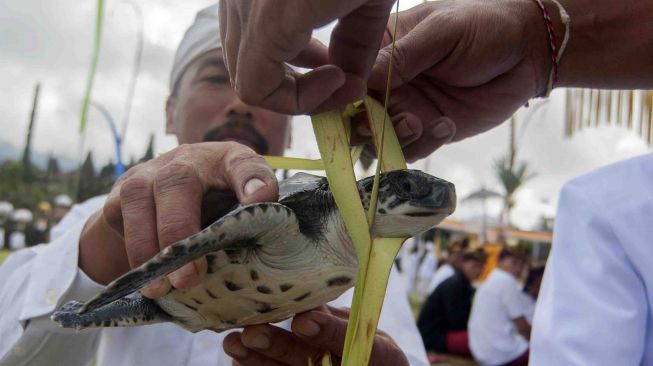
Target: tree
[
  {"x": 87, "y": 179},
  {"x": 512, "y": 176},
  {"x": 52, "y": 170}
]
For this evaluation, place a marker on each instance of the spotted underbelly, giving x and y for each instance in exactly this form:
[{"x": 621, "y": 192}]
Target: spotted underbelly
[{"x": 243, "y": 292}]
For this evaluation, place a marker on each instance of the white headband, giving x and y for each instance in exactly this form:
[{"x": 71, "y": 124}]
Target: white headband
[{"x": 202, "y": 36}]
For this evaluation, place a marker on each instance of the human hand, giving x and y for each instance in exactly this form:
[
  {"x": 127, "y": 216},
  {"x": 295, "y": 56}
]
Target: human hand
[
  {"x": 167, "y": 199},
  {"x": 462, "y": 67},
  {"x": 260, "y": 38},
  {"x": 313, "y": 334}
]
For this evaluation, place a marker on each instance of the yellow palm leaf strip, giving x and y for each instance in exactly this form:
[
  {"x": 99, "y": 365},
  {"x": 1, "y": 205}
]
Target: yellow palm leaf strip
[
  {"x": 326, "y": 359},
  {"x": 279, "y": 162},
  {"x": 383, "y": 250},
  {"x": 333, "y": 143}
]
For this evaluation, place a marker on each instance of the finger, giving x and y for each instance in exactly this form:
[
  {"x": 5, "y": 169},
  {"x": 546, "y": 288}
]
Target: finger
[
  {"x": 439, "y": 132},
  {"x": 139, "y": 218},
  {"x": 277, "y": 87},
  {"x": 418, "y": 46},
  {"x": 235, "y": 348},
  {"x": 328, "y": 332},
  {"x": 340, "y": 312},
  {"x": 178, "y": 198},
  {"x": 315, "y": 54},
  {"x": 356, "y": 38},
  {"x": 321, "y": 330},
  {"x": 279, "y": 345},
  {"x": 240, "y": 170},
  {"x": 407, "y": 127}
]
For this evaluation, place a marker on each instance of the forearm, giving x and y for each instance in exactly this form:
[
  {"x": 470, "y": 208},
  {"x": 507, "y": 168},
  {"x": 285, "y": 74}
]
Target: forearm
[{"x": 610, "y": 44}]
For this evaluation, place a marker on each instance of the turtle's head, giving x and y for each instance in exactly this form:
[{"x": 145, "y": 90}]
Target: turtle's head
[{"x": 409, "y": 202}]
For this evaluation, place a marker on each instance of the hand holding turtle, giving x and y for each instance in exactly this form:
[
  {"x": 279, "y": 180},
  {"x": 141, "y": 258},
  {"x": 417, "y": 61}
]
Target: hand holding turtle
[
  {"x": 166, "y": 199},
  {"x": 313, "y": 333},
  {"x": 261, "y": 37}
]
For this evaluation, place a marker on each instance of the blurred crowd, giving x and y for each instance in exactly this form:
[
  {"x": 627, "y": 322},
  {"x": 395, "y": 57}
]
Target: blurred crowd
[
  {"x": 20, "y": 227},
  {"x": 473, "y": 302}
]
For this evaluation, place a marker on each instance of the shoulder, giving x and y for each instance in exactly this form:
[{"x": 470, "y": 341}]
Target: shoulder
[{"x": 616, "y": 185}]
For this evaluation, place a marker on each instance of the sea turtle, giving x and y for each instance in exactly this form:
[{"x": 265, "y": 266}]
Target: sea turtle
[{"x": 267, "y": 261}]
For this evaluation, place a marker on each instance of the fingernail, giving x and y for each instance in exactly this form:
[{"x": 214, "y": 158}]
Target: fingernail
[
  {"x": 403, "y": 130},
  {"x": 363, "y": 130},
  {"x": 441, "y": 130},
  {"x": 237, "y": 349},
  {"x": 253, "y": 185},
  {"x": 308, "y": 328},
  {"x": 260, "y": 341},
  {"x": 178, "y": 277}
]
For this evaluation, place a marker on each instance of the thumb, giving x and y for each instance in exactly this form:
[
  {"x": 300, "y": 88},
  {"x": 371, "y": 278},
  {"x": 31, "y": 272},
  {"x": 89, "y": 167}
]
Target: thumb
[{"x": 422, "y": 47}]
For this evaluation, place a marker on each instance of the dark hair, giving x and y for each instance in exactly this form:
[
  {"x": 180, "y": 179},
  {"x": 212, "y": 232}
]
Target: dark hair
[
  {"x": 475, "y": 255},
  {"x": 533, "y": 274},
  {"x": 516, "y": 252},
  {"x": 459, "y": 245}
]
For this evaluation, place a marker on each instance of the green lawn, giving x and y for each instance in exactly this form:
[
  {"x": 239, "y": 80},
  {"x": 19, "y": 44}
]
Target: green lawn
[{"x": 3, "y": 254}]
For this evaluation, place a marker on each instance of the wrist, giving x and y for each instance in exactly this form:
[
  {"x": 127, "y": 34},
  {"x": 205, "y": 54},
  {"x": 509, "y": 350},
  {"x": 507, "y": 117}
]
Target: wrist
[
  {"x": 102, "y": 255},
  {"x": 546, "y": 31}
]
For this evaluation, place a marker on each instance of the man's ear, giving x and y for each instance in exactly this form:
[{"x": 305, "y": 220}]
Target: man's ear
[{"x": 171, "y": 104}]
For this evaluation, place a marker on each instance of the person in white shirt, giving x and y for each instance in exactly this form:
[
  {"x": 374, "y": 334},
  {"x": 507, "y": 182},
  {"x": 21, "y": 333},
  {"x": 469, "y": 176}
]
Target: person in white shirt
[
  {"x": 595, "y": 304},
  {"x": 498, "y": 330},
  {"x": 454, "y": 260},
  {"x": 157, "y": 203}
]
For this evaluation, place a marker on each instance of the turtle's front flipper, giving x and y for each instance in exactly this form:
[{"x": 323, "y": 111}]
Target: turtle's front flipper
[
  {"x": 238, "y": 230},
  {"x": 126, "y": 312}
]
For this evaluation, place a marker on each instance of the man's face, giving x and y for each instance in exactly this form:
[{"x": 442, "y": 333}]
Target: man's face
[
  {"x": 204, "y": 107},
  {"x": 514, "y": 266},
  {"x": 472, "y": 269}
]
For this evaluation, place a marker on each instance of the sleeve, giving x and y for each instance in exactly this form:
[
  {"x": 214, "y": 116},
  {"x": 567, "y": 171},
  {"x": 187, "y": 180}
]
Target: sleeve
[
  {"x": 35, "y": 281},
  {"x": 513, "y": 302},
  {"x": 592, "y": 308}
]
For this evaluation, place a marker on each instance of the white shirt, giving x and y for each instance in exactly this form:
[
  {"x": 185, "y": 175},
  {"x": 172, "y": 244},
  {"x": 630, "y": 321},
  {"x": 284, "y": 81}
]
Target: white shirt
[
  {"x": 429, "y": 264},
  {"x": 594, "y": 304},
  {"x": 528, "y": 302},
  {"x": 442, "y": 274},
  {"x": 36, "y": 280},
  {"x": 493, "y": 336}
]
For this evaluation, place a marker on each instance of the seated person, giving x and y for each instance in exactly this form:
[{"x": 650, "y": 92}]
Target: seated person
[
  {"x": 443, "y": 319},
  {"x": 446, "y": 270},
  {"x": 498, "y": 329}
]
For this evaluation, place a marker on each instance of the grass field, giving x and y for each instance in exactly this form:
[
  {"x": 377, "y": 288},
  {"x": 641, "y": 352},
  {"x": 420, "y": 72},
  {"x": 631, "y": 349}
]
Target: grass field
[{"x": 3, "y": 254}]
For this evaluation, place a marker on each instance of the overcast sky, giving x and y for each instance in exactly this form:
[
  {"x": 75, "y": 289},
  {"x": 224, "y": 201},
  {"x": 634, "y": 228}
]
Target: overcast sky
[{"x": 51, "y": 42}]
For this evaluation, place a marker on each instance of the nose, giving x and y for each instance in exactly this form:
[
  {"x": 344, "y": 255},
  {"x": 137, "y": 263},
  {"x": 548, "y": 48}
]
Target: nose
[{"x": 237, "y": 106}]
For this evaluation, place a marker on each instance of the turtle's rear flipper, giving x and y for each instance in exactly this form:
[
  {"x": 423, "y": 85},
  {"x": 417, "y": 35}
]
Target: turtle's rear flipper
[{"x": 120, "y": 313}]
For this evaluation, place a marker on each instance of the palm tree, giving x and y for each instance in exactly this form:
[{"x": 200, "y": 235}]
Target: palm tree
[{"x": 512, "y": 176}]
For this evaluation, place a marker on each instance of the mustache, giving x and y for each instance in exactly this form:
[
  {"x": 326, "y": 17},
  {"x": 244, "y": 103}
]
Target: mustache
[{"x": 238, "y": 126}]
